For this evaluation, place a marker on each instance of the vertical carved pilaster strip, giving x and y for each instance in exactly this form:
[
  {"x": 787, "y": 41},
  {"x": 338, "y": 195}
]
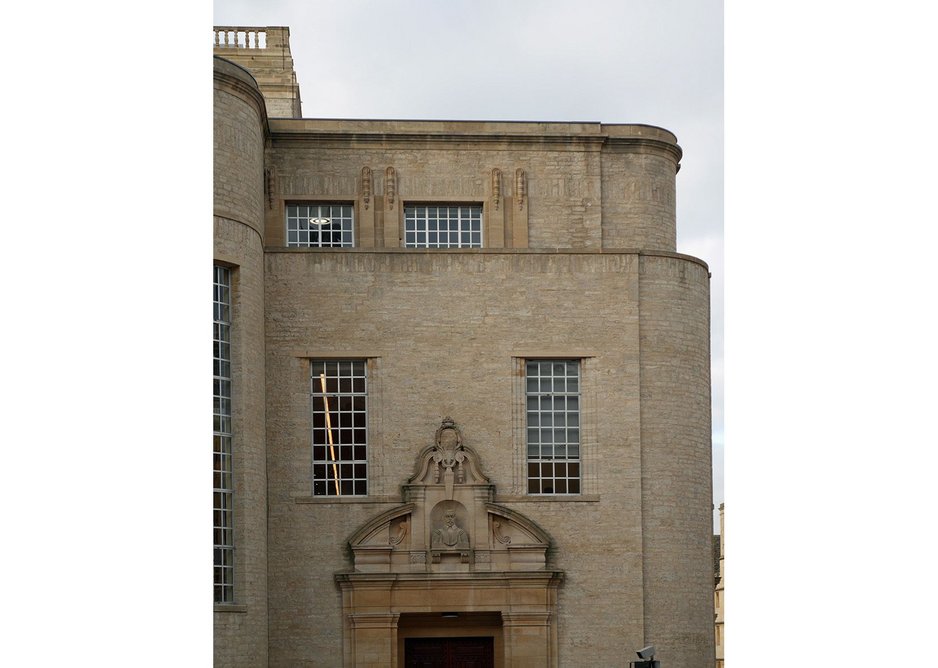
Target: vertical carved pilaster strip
[
  {"x": 493, "y": 236},
  {"x": 390, "y": 186},
  {"x": 392, "y": 218},
  {"x": 520, "y": 187},
  {"x": 496, "y": 186},
  {"x": 366, "y": 186},
  {"x": 368, "y": 236},
  {"x": 519, "y": 217}
]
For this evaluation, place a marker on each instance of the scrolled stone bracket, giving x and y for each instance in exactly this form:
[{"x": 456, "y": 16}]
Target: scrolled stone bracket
[
  {"x": 401, "y": 533},
  {"x": 496, "y": 530}
]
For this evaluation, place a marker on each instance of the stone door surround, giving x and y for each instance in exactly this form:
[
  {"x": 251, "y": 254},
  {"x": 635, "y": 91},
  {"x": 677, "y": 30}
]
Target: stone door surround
[{"x": 449, "y": 550}]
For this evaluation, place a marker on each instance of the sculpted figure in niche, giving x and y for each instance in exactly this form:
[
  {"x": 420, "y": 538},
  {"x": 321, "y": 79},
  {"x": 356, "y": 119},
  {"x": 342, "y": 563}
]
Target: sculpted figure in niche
[{"x": 450, "y": 535}]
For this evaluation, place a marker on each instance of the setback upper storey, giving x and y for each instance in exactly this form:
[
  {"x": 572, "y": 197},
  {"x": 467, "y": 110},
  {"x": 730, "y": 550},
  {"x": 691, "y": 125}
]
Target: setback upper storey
[
  {"x": 479, "y": 184},
  {"x": 395, "y": 184}
]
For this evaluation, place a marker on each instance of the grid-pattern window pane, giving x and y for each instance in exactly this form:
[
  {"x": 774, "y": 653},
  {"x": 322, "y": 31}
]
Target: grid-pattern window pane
[
  {"x": 443, "y": 226},
  {"x": 223, "y": 486},
  {"x": 552, "y": 393},
  {"x": 339, "y": 390},
  {"x": 319, "y": 225}
]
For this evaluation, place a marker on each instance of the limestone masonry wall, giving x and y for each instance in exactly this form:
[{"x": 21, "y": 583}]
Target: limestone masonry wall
[
  {"x": 241, "y": 629},
  {"x": 638, "y": 200},
  {"x": 572, "y": 190},
  {"x": 676, "y": 468},
  {"x": 444, "y": 333},
  {"x": 266, "y": 53},
  {"x": 238, "y": 158}
]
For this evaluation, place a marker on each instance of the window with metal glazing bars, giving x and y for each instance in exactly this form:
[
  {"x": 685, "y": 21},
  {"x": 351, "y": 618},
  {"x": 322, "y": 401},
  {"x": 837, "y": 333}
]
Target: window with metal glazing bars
[
  {"x": 428, "y": 226},
  {"x": 339, "y": 391},
  {"x": 552, "y": 389},
  {"x": 320, "y": 225},
  {"x": 223, "y": 486}
]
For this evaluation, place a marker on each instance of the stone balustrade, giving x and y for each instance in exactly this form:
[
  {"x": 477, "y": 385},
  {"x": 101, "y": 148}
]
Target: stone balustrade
[{"x": 234, "y": 37}]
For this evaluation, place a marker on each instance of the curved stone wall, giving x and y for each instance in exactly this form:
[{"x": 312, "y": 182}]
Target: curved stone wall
[
  {"x": 676, "y": 460},
  {"x": 639, "y": 164},
  {"x": 241, "y": 628},
  {"x": 239, "y": 125}
]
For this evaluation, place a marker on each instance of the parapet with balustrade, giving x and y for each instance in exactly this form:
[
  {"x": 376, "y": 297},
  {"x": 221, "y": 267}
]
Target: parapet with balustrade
[{"x": 265, "y": 53}]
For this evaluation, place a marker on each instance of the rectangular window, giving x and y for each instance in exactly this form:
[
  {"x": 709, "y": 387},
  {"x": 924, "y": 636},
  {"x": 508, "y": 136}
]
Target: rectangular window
[
  {"x": 223, "y": 486},
  {"x": 320, "y": 225},
  {"x": 428, "y": 226},
  {"x": 339, "y": 391},
  {"x": 552, "y": 393}
]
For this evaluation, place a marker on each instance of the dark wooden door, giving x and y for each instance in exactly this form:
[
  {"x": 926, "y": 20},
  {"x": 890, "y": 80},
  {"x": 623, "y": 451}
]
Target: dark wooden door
[{"x": 449, "y": 652}]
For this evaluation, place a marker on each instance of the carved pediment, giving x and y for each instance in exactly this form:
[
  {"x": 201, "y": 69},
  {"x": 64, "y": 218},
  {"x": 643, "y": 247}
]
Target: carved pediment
[
  {"x": 378, "y": 531},
  {"x": 448, "y": 522}
]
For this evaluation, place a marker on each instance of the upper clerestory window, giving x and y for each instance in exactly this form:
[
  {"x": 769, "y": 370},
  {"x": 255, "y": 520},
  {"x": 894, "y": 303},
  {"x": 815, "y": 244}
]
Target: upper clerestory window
[
  {"x": 320, "y": 225},
  {"x": 430, "y": 226}
]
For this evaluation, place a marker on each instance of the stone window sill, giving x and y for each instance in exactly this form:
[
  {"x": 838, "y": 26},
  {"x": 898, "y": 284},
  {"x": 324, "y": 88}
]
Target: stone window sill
[
  {"x": 230, "y": 607},
  {"x": 533, "y": 498},
  {"x": 549, "y": 498},
  {"x": 346, "y": 499}
]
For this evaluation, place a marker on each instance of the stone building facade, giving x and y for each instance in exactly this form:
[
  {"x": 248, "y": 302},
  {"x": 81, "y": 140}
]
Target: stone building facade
[{"x": 462, "y": 388}]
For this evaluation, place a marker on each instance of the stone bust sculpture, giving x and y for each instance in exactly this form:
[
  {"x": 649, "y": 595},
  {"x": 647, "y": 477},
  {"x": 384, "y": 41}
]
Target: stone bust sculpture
[{"x": 450, "y": 535}]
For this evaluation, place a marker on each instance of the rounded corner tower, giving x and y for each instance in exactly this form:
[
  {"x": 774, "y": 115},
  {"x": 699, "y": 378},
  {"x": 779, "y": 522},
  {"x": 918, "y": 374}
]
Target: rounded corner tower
[
  {"x": 676, "y": 474},
  {"x": 240, "y": 122},
  {"x": 639, "y": 164}
]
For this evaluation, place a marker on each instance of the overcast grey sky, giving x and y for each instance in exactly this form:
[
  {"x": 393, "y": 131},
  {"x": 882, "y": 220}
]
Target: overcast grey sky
[{"x": 658, "y": 62}]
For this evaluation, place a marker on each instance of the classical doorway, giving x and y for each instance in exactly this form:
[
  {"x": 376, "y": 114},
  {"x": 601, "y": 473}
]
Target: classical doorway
[
  {"x": 465, "y": 580},
  {"x": 472, "y": 652}
]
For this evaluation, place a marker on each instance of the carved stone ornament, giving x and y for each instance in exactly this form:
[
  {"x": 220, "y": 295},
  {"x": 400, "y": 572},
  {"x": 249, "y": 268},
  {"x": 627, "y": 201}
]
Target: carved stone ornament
[
  {"x": 521, "y": 187},
  {"x": 449, "y": 456},
  {"x": 366, "y": 185},
  {"x": 448, "y": 515},
  {"x": 496, "y": 186},
  {"x": 390, "y": 186},
  {"x": 397, "y": 537},
  {"x": 504, "y": 540}
]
